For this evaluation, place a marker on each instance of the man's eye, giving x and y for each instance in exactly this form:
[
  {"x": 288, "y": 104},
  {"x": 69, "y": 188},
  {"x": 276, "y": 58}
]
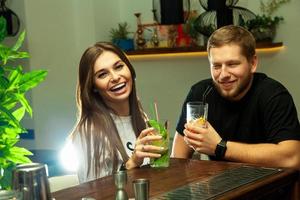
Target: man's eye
[
  {"x": 216, "y": 66},
  {"x": 233, "y": 64}
]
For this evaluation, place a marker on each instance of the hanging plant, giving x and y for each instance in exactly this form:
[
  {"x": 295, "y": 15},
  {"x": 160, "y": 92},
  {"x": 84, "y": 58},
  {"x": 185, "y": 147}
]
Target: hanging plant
[{"x": 264, "y": 26}]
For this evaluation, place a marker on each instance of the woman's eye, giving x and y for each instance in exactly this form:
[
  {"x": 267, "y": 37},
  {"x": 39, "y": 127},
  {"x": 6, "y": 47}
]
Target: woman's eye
[
  {"x": 102, "y": 75},
  {"x": 120, "y": 66}
]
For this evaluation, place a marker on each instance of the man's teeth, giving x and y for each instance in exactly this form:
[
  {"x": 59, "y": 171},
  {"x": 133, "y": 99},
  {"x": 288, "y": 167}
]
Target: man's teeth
[{"x": 118, "y": 86}]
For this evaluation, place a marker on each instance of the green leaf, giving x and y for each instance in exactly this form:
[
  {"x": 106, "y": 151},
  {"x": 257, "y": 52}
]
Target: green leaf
[
  {"x": 14, "y": 55},
  {"x": 25, "y": 103},
  {"x": 21, "y": 151},
  {"x": 14, "y": 130},
  {"x": 19, "y": 41},
  {"x": 31, "y": 79},
  {"x": 12, "y": 141},
  {"x": 6, "y": 113},
  {"x": 3, "y": 82},
  {"x": 18, "y": 155},
  {"x": 19, "y": 113},
  {"x": 153, "y": 123},
  {"x": 9, "y": 105},
  {"x": 15, "y": 77},
  {"x": 22, "y": 99},
  {"x": 4, "y": 52},
  {"x": 5, "y": 181},
  {"x": 159, "y": 127},
  {"x": 9, "y": 100}
]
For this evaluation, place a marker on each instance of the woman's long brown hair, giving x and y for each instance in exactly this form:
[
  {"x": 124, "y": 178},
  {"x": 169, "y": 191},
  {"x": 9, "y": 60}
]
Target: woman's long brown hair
[{"x": 95, "y": 124}]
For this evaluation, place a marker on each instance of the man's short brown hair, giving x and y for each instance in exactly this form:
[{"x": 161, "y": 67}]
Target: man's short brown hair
[{"x": 233, "y": 35}]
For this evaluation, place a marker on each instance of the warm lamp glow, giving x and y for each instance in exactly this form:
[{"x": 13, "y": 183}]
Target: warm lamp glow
[
  {"x": 68, "y": 157},
  {"x": 167, "y": 55},
  {"x": 193, "y": 54},
  {"x": 270, "y": 50}
]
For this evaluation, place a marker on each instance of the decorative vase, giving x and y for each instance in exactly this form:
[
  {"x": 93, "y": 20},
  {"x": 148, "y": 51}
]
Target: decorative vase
[{"x": 125, "y": 44}]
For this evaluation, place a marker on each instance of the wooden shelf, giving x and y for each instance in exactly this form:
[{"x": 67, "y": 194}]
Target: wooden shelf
[{"x": 192, "y": 51}]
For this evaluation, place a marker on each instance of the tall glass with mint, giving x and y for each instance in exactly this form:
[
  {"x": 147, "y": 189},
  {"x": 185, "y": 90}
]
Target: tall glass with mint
[{"x": 161, "y": 128}]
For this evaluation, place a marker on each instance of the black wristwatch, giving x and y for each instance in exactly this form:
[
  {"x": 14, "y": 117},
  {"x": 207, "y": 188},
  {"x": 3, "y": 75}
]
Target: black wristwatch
[{"x": 221, "y": 150}]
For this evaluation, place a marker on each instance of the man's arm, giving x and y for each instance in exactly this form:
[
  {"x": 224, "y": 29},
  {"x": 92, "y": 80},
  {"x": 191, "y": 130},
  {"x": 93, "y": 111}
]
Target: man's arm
[
  {"x": 180, "y": 149},
  {"x": 283, "y": 154}
]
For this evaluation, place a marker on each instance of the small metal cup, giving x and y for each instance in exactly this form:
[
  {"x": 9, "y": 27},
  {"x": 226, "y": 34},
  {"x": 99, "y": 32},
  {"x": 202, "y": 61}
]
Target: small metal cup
[
  {"x": 141, "y": 189},
  {"x": 120, "y": 179},
  {"x": 31, "y": 179}
]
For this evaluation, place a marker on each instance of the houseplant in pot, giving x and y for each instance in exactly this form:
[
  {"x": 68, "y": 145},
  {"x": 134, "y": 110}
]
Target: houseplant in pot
[
  {"x": 14, "y": 84},
  {"x": 120, "y": 37},
  {"x": 264, "y": 26}
]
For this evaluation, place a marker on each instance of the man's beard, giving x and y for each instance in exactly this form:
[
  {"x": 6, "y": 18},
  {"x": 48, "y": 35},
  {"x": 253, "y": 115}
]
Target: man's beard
[{"x": 232, "y": 95}]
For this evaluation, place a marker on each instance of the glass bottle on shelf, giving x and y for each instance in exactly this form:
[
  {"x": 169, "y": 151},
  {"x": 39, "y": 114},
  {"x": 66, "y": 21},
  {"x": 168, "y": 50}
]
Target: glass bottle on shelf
[
  {"x": 154, "y": 38},
  {"x": 139, "y": 38}
]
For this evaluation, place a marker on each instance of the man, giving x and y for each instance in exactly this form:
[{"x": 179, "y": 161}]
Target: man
[{"x": 251, "y": 117}]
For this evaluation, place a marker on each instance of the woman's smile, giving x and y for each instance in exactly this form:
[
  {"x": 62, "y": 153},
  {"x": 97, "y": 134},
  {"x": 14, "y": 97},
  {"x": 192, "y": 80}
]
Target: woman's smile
[{"x": 119, "y": 88}]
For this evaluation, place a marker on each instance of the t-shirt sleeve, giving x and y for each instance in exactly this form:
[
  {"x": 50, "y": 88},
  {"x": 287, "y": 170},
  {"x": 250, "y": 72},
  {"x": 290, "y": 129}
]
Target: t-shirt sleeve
[{"x": 280, "y": 118}]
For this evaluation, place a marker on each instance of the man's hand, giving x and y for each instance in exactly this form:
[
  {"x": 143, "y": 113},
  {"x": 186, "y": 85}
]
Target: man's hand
[{"x": 202, "y": 139}]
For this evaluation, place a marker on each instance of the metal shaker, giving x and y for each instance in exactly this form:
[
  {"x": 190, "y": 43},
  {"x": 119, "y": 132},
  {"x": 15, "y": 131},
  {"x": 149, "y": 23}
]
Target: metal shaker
[
  {"x": 32, "y": 180},
  {"x": 120, "y": 178}
]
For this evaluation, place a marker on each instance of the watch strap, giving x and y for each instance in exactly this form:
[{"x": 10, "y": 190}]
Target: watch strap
[{"x": 221, "y": 149}]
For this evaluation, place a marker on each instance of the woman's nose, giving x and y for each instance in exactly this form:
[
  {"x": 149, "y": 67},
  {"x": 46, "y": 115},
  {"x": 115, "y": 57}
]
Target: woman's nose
[{"x": 114, "y": 76}]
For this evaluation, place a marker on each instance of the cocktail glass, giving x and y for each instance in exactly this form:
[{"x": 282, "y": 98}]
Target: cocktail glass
[
  {"x": 161, "y": 129},
  {"x": 196, "y": 112}
]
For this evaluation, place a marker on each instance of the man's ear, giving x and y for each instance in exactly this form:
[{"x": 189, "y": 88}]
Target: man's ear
[{"x": 254, "y": 63}]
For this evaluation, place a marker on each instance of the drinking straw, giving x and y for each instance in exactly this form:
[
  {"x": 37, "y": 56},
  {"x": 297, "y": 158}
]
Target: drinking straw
[
  {"x": 206, "y": 92},
  {"x": 156, "y": 112}
]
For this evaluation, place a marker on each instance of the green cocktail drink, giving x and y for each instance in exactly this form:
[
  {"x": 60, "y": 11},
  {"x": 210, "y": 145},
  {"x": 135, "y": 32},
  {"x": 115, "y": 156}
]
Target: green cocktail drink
[{"x": 161, "y": 129}]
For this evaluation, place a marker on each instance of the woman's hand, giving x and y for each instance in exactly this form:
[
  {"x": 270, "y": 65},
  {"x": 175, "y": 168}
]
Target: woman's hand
[{"x": 144, "y": 149}]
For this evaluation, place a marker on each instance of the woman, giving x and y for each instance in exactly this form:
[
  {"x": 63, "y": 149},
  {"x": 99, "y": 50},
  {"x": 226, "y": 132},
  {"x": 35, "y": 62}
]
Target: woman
[{"x": 111, "y": 128}]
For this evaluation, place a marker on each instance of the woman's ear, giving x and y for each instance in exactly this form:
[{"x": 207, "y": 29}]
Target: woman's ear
[{"x": 95, "y": 90}]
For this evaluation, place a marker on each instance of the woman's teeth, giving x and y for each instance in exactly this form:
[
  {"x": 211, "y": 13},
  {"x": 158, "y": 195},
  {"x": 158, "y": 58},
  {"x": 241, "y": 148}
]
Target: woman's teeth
[{"x": 118, "y": 87}]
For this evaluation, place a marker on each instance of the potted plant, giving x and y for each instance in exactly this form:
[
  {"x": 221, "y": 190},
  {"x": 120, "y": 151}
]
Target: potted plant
[
  {"x": 264, "y": 26},
  {"x": 120, "y": 37},
  {"x": 14, "y": 84}
]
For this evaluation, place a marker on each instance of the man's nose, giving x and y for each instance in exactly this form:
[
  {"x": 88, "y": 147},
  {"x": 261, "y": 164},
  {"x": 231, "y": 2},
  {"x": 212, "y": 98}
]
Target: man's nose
[{"x": 224, "y": 72}]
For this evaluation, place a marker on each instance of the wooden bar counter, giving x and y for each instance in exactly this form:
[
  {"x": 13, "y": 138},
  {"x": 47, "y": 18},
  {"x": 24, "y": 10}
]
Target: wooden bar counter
[{"x": 195, "y": 179}]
